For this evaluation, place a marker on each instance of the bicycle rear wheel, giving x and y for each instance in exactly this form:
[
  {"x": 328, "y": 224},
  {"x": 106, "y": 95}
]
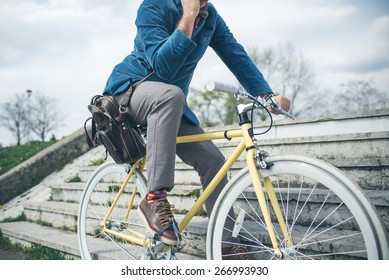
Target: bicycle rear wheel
[
  {"x": 326, "y": 215},
  {"x": 97, "y": 198}
]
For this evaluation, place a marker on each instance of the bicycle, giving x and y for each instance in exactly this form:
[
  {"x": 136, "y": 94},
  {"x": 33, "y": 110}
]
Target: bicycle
[{"x": 285, "y": 206}]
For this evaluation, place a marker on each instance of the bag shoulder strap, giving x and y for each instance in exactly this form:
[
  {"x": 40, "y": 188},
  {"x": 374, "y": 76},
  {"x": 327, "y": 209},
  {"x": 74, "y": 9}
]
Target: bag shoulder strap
[
  {"x": 128, "y": 94},
  {"x": 91, "y": 140}
]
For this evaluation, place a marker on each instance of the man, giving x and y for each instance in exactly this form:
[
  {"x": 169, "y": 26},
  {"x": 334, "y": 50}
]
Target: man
[{"x": 172, "y": 36}]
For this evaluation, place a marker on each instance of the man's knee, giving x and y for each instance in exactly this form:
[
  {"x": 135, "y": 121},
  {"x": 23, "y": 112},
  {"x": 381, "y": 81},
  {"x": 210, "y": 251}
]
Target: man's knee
[{"x": 175, "y": 96}]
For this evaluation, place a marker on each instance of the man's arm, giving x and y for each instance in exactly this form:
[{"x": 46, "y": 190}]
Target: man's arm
[
  {"x": 191, "y": 10},
  {"x": 237, "y": 60},
  {"x": 166, "y": 49}
]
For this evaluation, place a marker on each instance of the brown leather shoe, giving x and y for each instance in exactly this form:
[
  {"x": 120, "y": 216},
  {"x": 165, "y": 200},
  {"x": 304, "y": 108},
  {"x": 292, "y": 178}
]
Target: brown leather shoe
[
  {"x": 156, "y": 215},
  {"x": 236, "y": 252}
]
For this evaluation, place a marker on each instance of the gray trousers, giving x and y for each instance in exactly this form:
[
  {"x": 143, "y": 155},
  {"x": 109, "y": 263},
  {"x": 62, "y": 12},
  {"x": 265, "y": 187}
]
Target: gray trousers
[{"x": 160, "y": 107}]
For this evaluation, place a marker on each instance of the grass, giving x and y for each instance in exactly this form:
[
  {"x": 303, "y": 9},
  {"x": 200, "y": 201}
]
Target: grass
[
  {"x": 14, "y": 155},
  {"x": 97, "y": 162},
  {"x": 74, "y": 179},
  {"x": 35, "y": 252}
]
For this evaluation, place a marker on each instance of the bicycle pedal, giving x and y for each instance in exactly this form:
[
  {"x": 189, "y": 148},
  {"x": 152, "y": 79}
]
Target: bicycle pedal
[
  {"x": 172, "y": 224},
  {"x": 159, "y": 250}
]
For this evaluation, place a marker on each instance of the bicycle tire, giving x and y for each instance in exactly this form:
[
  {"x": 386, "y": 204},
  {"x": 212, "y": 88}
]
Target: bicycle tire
[
  {"x": 327, "y": 216},
  {"x": 97, "y": 197}
]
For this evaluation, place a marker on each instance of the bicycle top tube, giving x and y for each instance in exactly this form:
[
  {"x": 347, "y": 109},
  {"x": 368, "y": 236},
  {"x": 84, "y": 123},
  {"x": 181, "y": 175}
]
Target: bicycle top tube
[{"x": 228, "y": 134}]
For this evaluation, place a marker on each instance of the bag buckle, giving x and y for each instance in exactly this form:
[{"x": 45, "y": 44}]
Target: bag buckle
[{"x": 123, "y": 109}]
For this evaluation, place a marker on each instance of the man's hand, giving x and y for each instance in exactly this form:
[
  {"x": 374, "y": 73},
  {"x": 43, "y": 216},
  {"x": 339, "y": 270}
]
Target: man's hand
[
  {"x": 191, "y": 9},
  {"x": 283, "y": 102}
]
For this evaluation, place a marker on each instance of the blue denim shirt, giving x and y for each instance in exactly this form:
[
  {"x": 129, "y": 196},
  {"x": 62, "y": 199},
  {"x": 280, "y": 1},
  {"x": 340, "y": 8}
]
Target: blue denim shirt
[{"x": 160, "y": 47}]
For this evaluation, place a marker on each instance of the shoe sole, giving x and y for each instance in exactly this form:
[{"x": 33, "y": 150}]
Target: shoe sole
[{"x": 165, "y": 240}]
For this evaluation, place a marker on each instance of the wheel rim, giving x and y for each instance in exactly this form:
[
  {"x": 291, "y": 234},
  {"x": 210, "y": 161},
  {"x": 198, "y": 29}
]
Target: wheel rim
[{"x": 100, "y": 190}]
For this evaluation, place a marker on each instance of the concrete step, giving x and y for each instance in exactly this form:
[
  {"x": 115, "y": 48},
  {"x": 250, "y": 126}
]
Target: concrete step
[
  {"x": 182, "y": 196},
  {"x": 27, "y": 233},
  {"x": 183, "y": 175},
  {"x": 369, "y": 173},
  {"x": 62, "y": 215}
]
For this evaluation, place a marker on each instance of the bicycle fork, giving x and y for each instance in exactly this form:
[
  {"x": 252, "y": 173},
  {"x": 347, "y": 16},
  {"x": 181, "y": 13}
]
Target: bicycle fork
[{"x": 251, "y": 163}]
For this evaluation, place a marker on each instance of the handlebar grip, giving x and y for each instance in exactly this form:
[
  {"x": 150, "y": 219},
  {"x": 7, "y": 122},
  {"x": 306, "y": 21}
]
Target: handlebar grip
[{"x": 222, "y": 87}]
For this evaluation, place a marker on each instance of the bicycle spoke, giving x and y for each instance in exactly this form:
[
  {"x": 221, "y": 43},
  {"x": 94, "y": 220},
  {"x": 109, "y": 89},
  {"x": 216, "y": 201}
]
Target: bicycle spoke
[
  {"x": 334, "y": 254},
  {"x": 97, "y": 199},
  {"x": 325, "y": 230},
  {"x": 314, "y": 219},
  {"x": 260, "y": 221},
  {"x": 120, "y": 246},
  {"x": 253, "y": 240},
  {"x": 290, "y": 231},
  {"x": 329, "y": 240},
  {"x": 304, "y": 205},
  {"x": 332, "y": 212}
]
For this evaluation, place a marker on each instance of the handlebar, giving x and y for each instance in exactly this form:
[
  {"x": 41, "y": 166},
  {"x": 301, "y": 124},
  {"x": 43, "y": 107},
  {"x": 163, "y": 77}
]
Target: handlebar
[{"x": 241, "y": 93}]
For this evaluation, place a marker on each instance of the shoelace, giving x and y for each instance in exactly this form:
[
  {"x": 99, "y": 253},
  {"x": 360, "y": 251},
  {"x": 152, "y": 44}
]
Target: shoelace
[{"x": 163, "y": 211}]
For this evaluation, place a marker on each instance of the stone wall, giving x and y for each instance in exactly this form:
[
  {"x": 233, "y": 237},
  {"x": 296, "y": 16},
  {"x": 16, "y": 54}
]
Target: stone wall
[{"x": 32, "y": 171}]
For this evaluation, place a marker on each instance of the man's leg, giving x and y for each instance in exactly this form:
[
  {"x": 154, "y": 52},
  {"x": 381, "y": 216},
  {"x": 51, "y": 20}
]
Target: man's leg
[
  {"x": 159, "y": 106},
  {"x": 206, "y": 159}
]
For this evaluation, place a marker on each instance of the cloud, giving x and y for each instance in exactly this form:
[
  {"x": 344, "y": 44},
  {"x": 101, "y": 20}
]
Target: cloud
[
  {"x": 63, "y": 49},
  {"x": 360, "y": 50},
  {"x": 277, "y": 21},
  {"x": 52, "y": 28},
  {"x": 341, "y": 38}
]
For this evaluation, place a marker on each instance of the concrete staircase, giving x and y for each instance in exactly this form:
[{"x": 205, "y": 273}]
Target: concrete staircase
[{"x": 51, "y": 207}]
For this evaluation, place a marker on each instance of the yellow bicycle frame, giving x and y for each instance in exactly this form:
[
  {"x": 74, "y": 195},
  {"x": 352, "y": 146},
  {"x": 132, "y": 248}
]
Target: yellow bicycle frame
[{"x": 246, "y": 143}]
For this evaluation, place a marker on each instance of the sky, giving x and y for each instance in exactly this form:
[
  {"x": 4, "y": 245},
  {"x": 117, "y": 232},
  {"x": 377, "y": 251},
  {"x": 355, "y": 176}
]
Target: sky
[{"x": 67, "y": 49}]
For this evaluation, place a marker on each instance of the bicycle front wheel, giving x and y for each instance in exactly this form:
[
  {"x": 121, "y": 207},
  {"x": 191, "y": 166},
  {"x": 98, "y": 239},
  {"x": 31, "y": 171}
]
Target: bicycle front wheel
[
  {"x": 326, "y": 215},
  {"x": 98, "y": 196}
]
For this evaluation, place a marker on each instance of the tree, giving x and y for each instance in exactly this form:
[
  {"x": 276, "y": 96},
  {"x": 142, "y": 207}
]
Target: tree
[
  {"x": 208, "y": 106},
  {"x": 44, "y": 116},
  {"x": 30, "y": 114},
  {"x": 13, "y": 116},
  {"x": 289, "y": 73},
  {"x": 360, "y": 95}
]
